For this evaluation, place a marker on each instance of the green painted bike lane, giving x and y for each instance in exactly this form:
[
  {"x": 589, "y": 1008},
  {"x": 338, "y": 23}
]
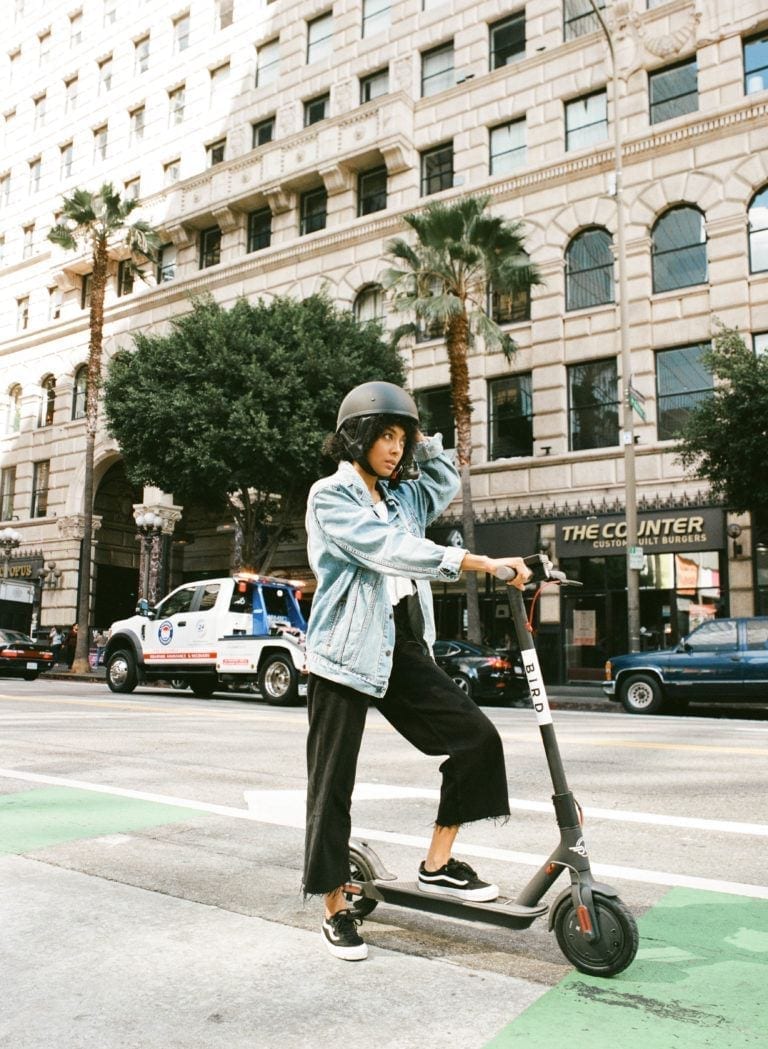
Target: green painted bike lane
[{"x": 699, "y": 981}]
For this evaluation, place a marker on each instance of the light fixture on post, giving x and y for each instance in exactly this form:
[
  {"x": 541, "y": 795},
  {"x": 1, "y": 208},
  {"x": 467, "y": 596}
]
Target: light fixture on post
[
  {"x": 734, "y": 531},
  {"x": 49, "y": 578},
  {"x": 150, "y": 526},
  {"x": 10, "y": 540}
]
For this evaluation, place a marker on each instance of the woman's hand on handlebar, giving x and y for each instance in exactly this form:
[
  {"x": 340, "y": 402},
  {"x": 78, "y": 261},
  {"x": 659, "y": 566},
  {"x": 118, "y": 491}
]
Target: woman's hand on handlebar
[{"x": 491, "y": 565}]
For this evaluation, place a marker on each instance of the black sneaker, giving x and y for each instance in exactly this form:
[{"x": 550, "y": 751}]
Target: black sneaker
[
  {"x": 342, "y": 938},
  {"x": 459, "y": 880}
]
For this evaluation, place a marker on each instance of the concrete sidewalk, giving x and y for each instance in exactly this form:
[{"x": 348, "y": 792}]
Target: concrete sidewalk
[{"x": 89, "y": 963}]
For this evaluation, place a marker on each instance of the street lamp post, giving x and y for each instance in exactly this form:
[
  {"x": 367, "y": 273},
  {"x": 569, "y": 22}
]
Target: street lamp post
[
  {"x": 150, "y": 526},
  {"x": 10, "y": 540},
  {"x": 628, "y": 427}
]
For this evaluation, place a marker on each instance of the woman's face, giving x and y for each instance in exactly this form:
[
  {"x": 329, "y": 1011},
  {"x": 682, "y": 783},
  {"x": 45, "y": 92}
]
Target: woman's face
[{"x": 387, "y": 450}]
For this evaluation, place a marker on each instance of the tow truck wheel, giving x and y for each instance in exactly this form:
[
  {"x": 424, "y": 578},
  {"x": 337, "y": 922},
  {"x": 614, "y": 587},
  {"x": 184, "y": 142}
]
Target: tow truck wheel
[
  {"x": 121, "y": 672},
  {"x": 278, "y": 680}
]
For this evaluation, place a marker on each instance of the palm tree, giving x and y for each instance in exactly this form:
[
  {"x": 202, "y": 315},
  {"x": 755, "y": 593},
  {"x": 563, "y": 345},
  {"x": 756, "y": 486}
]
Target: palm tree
[
  {"x": 462, "y": 254},
  {"x": 92, "y": 222}
]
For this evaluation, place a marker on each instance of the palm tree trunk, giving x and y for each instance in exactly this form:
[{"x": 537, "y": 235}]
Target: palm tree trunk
[{"x": 457, "y": 345}]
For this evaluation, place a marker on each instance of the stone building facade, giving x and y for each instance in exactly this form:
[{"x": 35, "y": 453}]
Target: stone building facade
[{"x": 277, "y": 145}]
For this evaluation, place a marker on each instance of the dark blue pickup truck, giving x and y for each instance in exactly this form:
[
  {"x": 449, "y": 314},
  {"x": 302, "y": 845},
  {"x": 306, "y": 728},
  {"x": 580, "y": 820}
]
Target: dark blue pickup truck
[{"x": 723, "y": 660}]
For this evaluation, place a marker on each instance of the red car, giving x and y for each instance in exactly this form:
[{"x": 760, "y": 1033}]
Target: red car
[{"x": 23, "y": 657}]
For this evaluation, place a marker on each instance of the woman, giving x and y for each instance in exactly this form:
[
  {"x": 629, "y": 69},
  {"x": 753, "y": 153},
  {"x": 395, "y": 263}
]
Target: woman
[{"x": 369, "y": 639}]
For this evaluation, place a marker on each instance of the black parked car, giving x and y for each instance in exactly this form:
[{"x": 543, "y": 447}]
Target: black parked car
[
  {"x": 482, "y": 672},
  {"x": 23, "y": 657}
]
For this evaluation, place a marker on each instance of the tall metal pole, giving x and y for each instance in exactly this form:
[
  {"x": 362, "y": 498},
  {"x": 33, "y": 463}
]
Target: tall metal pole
[{"x": 628, "y": 426}]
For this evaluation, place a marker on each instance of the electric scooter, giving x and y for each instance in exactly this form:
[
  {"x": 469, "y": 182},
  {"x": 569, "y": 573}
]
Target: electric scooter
[{"x": 594, "y": 929}]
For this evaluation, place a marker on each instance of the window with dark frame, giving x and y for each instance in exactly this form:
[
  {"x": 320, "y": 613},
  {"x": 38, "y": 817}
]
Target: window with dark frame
[
  {"x": 40, "y": 477},
  {"x": 589, "y": 269},
  {"x": 319, "y": 37},
  {"x": 437, "y": 72},
  {"x": 437, "y": 169},
  {"x": 262, "y": 132},
  {"x": 756, "y": 63},
  {"x": 510, "y": 416},
  {"x": 125, "y": 277},
  {"x": 259, "y": 229},
  {"x": 507, "y": 146},
  {"x": 210, "y": 247},
  {"x": 316, "y": 109},
  {"x": 372, "y": 190},
  {"x": 313, "y": 210},
  {"x": 679, "y": 249},
  {"x": 374, "y": 85},
  {"x": 507, "y": 40},
  {"x": 47, "y": 408},
  {"x": 682, "y": 382},
  {"x": 510, "y": 307},
  {"x": 436, "y": 413},
  {"x": 376, "y": 16},
  {"x": 85, "y": 291},
  {"x": 369, "y": 304},
  {"x": 593, "y": 406},
  {"x": 579, "y": 18},
  {"x": 216, "y": 152},
  {"x": 166, "y": 263},
  {"x": 757, "y": 215},
  {"x": 673, "y": 91}
]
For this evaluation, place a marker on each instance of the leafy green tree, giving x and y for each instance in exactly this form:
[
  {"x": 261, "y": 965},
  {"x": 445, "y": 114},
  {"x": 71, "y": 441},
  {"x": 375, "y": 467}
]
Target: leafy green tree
[
  {"x": 94, "y": 223},
  {"x": 725, "y": 438},
  {"x": 232, "y": 406},
  {"x": 461, "y": 254}
]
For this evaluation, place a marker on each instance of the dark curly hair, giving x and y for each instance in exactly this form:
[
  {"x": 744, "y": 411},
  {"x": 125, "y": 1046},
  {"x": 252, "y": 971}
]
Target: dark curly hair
[{"x": 335, "y": 447}]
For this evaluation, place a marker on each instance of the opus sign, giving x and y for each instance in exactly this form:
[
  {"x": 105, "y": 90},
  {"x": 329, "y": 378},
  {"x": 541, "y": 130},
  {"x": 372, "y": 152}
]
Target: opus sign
[{"x": 659, "y": 532}]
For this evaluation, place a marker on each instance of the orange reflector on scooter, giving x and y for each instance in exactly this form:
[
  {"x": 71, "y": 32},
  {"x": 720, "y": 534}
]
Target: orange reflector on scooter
[
  {"x": 585, "y": 922},
  {"x": 551, "y": 868},
  {"x": 352, "y": 888}
]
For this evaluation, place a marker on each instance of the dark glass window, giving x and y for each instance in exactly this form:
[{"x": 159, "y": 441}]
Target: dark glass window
[
  {"x": 510, "y": 307},
  {"x": 579, "y": 18},
  {"x": 758, "y": 232},
  {"x": 437, "y": 70},
  {"x": 314, "y": 210},
  {"x": 374, "y": 85},
  {"x": 125, "y": 277},
  {"x": 593, "y": 405},
  {"x": 210, "y": 247},
  {"x": 216, "y": 152},
  {"x": 589, "y": 270},
  {"x": 79, "y": 392},
  {"x": 259, "y": 229},
  {"x": 756, "y": 64},
  {"x": 316, "y": 109},
  {"x": 40, "y": 474},
  {"x": 679, "y": 249},
  {"x": 674, "y": 91},
  {"x": 85, "y": 291},
  {"x": 47, "y": 401},
  {"x": 510, "y": 417},
  {"x": 682, "y": 382},
  {"x": 507, "y": 40},
  {"x": 7, "y": 492},
  {"x": 371, "y": 191},
  {"x": 436, "y": 413},
  {"x": 262, "y": 132},
  {"x": 437, "y": 169}
]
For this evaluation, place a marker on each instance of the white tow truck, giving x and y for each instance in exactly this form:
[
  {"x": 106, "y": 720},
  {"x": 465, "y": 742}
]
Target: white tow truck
[{"x": 245, "y": 629}]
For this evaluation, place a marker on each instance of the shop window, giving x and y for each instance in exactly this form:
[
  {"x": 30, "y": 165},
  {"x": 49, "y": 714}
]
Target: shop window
[
  {"x": 371, "y": 191},
  {"x": 756, "y": 63},
  {"x": 437, "y": 73},
  {"x": 673, "y": 92},
  {"x": 679, "y": 249},
  {"x": 510, "y": 417},
  {"x": 507, "y": 40},
  {"x": 758, "y": 232},
  {"x": 682, "y": 382},
  {"x": 259, "y": 229},
  {"x": 80, "y": 392},
  {"x": 593, "y": 405},
  {"x": 589, "y": 269},
  {"x": 586, "y": 121},
  {"x": 507, "y": 147},
  {"x": 579, "y": 18},
  {"x": 436, "y": 413},
  {"x": 437, "y": 169}
]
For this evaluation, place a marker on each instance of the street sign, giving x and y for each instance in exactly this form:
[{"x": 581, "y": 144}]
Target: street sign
[
  {"x": 636, "y": 557},
  {"x": 636, "y": 401}
]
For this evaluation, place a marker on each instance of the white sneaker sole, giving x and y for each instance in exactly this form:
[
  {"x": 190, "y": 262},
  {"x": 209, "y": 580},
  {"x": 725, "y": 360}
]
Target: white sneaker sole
[
  {"x": 486, "y": 895},
  {"x": 347, "y": 954}
]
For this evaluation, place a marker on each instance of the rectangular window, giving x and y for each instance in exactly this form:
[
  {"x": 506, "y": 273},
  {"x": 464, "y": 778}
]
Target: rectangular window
[
  {"x": 181, "y": 33},
  {"x": 105, "y": 75},
  {"x": 40, "y": 475},
  {"x": 262, "y": 132},
  {"x": 5, "y": 189},
  {"x": 22, "y": 313},
  {"x": 507, "y": 142},
  {"x": 76, "y": 29},
  {"x": 225, "y": 13},
  {"x": 376, "y": 16},
  {"x": 436, "y": 413},
  {"x": 125, "y": 277},
  {"x": 593, "y": 405},
  {"x": 7, "y": 490},
  {"x": 137, "y": 124},
  {"x": 100, "y": 143},
  {"x": 374, "y": 85},
  {"x": 316, "y": 109},
  {"x": 66, "y": 153},
  {"x": 176, "y": 100},
  {"x": 172, "y": 171},
  {"x": 219, "y": 80},
  {"x": 132, "y": 189},
  {"x": 320, "y": 37},
  {"x": 437, "y": 169},
  {"x": 210, "y": 247},
  {"x": 507, "y": 40},
  {"x": 141, "y": 55},
  {"x": 437, "y": 73},
  {"x": 314, "y": 210},
  {"x": 40, "y": 104},
  {"x": 510, "y": 307},
  {"x": 372, "y": 191},
  {"x": 54, "y": 303},
  {"x": 166, "y": 263},
  {"x": 760, "y": 342},
  {"x": 756, "y": 64},
  {"x": 215, "y": 152},
  {"x": 110, "y": 12},
  {"x": 510, "y": 417},
  {"x": 682, "y": 382},
  {"x": 28, "y": 234},
  {"x": 70, "y": 94},
  {"x": 44, "y": 47},
  {"x": 259, "y": 229},
  {"x": 35, "y": 170},
  {"x": 586, "y": 121},
  {"x": 674, "y": 91},
  {"x": 579, "y": 18},
  {"x": 267, "y": 63},
  {"x": 85, "y": 291}
]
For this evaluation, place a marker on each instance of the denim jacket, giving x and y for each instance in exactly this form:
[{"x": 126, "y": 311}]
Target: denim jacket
[{"x": 351, "y": 632}]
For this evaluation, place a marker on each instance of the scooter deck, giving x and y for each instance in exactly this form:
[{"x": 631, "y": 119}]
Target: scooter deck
[{"x": 502, "y": 911}]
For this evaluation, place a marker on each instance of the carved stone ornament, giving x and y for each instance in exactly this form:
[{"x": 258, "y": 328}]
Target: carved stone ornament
[{"x": 73, "y": 526}]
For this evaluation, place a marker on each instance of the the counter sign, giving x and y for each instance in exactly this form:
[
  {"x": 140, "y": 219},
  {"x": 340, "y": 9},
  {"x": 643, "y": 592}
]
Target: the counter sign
[{"x": 165, "y": 632}]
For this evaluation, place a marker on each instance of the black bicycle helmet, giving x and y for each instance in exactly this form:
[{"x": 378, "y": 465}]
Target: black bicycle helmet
[{"x": 358, "y": 413}]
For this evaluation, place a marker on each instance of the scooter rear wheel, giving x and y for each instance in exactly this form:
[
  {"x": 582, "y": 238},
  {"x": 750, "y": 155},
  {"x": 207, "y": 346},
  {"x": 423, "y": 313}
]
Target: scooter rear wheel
[
  {"x": 359, "y": 871},
  {"x": 618, "y": 942}
]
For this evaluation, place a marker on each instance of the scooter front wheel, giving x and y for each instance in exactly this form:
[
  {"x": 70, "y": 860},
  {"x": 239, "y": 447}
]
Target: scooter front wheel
[
  {"x": 359, "y": 870},
  {"x": 618, "y": 942}
]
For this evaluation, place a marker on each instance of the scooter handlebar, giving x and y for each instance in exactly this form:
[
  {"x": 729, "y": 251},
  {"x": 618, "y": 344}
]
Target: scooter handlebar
[{"x": 542, "y": 571}]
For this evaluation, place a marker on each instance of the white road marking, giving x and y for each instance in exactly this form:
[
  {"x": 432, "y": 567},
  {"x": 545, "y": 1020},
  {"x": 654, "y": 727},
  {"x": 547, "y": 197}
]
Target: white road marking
[{"x": 285, "y": 808}]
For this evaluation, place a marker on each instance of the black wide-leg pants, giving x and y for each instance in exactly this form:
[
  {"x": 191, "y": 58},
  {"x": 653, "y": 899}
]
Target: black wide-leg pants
[{"x": 424, "y": 706}]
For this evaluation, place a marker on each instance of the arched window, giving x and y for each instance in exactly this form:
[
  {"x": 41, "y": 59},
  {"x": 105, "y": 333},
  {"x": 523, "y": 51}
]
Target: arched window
[
  {"x": 369, "y": 303},
  {"x": 589, "y": 269},
  {"x": 79, "y": 391},
  {"x": 679, "y": 249},
  {"x": 12, "y": 419},
  {"x": 47, "y": 401},
  {"x": 758, "y": 232}
]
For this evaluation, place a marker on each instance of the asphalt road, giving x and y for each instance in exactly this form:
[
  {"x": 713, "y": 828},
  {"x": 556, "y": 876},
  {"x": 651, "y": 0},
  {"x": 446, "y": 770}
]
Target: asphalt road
[{"x": 150, "y": 856}]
